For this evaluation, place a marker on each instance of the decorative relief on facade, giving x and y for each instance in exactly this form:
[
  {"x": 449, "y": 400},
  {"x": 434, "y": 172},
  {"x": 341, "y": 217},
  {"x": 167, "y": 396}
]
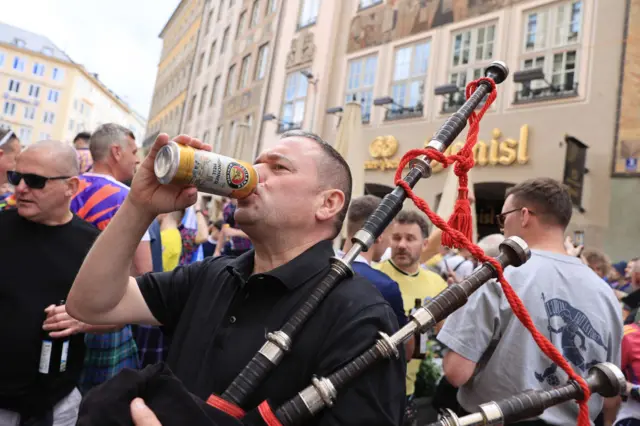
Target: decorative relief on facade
[
  {"x": 397, "y": 19},
  {"x": 241, "y": 102},
  {"x": 301, "y": 51}
]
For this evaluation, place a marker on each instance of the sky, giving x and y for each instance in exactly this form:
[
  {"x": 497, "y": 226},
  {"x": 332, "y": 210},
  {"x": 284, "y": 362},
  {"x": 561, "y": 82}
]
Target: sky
[{"x": 117, "y": 39}]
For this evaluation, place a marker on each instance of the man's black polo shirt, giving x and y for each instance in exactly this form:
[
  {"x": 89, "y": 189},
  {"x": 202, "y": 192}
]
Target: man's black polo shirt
[{"x": 219, "y": 315}]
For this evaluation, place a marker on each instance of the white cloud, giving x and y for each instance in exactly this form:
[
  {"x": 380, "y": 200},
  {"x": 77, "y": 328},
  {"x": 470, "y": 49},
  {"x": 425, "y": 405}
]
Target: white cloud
[{"x": 117, "y": 39}]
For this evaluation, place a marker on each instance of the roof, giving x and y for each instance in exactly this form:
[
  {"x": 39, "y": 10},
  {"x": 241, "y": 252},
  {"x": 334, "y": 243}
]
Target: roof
[{"x": 31, "y": 41}]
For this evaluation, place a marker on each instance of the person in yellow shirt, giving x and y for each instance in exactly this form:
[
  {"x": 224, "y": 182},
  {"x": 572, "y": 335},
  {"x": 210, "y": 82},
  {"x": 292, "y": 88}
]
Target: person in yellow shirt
[
  {"x": 171, "y": 239},
  {"x": 409, "y": 237}
]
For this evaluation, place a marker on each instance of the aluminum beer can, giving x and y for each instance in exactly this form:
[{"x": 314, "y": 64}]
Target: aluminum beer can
[{"x": 209, "y": 172}]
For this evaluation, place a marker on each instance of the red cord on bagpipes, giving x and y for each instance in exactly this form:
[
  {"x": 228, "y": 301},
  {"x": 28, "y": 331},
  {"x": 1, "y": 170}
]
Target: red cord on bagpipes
[{"x": 458, "y": 233}]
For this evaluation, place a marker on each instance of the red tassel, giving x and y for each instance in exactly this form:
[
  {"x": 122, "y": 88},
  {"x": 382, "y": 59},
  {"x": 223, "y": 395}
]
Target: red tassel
[{"x": 461, "y": 219}]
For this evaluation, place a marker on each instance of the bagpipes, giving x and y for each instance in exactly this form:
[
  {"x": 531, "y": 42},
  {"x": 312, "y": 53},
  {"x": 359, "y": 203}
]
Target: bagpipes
[
  {"x": 605, "y": 379},
  {"x": 323, "y": 391}
]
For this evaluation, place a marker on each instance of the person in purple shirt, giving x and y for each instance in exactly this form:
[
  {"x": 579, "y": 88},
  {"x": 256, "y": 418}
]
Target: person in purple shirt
[{"x": 359, "y": 210}]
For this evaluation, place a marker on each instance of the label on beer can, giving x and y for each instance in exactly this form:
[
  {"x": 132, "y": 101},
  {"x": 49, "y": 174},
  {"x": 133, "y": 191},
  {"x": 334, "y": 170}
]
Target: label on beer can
[{"x": 222, "y": 175}]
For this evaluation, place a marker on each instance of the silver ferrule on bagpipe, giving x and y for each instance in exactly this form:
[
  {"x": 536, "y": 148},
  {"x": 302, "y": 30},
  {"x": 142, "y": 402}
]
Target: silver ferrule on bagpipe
[
  {"x": 279, "y": 342},
  {"x": 323, "y": 392},
  {"x": 605, "y": 379}
]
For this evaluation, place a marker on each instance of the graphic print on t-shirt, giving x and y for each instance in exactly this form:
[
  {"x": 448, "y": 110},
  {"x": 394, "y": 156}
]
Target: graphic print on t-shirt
[{"x": 574, "y": 328}]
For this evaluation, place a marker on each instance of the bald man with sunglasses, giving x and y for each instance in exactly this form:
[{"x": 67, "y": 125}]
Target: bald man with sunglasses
[{"x": 42, "y": 247}]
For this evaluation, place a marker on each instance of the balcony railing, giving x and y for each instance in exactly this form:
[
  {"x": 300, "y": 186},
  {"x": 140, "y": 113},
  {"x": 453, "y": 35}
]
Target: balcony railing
[
  {"x": 453, "y": 102},
  {"x": 284, "y": 127},
  {"x": 527, "y": 95},
  {"x": 404, "y": 112}
]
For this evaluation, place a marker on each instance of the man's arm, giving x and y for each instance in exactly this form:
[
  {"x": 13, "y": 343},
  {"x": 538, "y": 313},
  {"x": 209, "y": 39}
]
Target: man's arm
[
  {"x": 103, "y": 292},
  {"x": 468, "y": 332}
]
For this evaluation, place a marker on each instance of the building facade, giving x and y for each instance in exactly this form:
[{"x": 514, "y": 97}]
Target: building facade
[
  {"x": 179, "y": 39},
  {"x": 48, "y": 96},
  {"x": 408, "y": 62},
  {"x": 231, "y": 76}
]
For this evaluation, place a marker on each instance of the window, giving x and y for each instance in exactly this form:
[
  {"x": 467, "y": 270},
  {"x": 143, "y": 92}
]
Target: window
[
  {"x": 49, "y": 117},
  {"x": 25, "y": 135},
  {"x": 241, "y": 20},
  {"x": 18, "y": 64},
  {"x": 53, "y": 95},
  {"x": 1, "y": 59},
  {"x": 261, "y": 64},
  {"x": 230, "y": 77},
  {"x": 205, "y": 137},
  {"x": 360, "y": 79},
  {"x": 295, "y": 95},
  {"x": 308, "y": 12},
  {"x": 10, "y": 108},
  {"x": 272, "y": 5},
  {"x": 220, "y": 10},
  {"x": 38, "y": 69},
  {"x": 551, "y": 42},
  {"x": 58, "y": 74},
  {"x": 225, "y": 39},
  {"x": 44, "y": 136},
  {"x": 212, "y": 53},
  {"x": 14, "y": 86},
  {"x": 209, "y": 19},
  {"x": 255, "y": 14},
  {"x": 244, "y": 72},
  {"x": 34, "y": 91},
  {"x": 191, "y": 107},
  {"x": 214, "y": 90},
  {"x": 472, "y": 51},
  {"x": 200, "y": 63},
  {"x": 217, "y": 144},
  {"x": 409, "y": 75},
  {"x": 71, "y": 125},
  {"x": 203, "y": 99},
  {"x": 29, "y": 113},
  {"x": 369, "y": 3}
]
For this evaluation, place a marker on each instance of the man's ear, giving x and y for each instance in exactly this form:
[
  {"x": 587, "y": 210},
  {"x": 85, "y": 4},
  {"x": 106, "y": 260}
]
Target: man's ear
[
  {"x": 73, "y": 183},
  {"x": 116, "y": 151},
  {"x": 332, "y": 202}
]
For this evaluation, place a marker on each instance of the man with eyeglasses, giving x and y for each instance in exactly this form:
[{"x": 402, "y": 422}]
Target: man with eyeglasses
[
  {"x": 492, "y": 356},
  {"x": 9, "y": 148},
  {"x": 42, "y": 247}
]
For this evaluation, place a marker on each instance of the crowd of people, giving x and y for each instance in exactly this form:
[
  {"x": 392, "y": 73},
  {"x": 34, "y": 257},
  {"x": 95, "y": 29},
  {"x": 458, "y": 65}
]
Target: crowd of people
[{"x": 131, "y": 273}]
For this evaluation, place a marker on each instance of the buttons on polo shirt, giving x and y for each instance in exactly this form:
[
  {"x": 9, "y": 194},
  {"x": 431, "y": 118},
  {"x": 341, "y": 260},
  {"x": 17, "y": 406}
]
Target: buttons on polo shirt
[{"x": 232, "y": 319}]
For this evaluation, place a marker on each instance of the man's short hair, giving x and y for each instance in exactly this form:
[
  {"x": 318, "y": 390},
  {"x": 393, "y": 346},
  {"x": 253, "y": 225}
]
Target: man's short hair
[
  {"x": 61, "y": 155},
  {"x": 359, "y": 211},
  {"x": 5, "y": 140},
  {"x": 548, "y": 199},
  {"x": 597, "y": 259},
  {"x": 491, "y": 244},
  {"x": 82, "y": 135},
  {"x": 334, "y": 172},
  {"x": 104, "y": 137},
  {"x": 410, "y": 217}
]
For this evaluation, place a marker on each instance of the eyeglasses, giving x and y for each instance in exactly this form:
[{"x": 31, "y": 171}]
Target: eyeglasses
[
  {"x": 502, "y": 216},
  {"x": 6, "y": 137},
  {"x": 33, "y": 181}
]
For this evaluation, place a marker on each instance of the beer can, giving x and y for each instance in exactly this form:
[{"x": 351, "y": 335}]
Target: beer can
[{"x": 209, "y": 172}]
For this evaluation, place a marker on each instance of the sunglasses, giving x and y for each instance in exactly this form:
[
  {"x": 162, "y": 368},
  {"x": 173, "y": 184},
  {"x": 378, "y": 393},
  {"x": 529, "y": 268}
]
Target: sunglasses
[
  {"x": 500, "y": 218},
  {"x": 6, "y": 137},
  {"x": 33, "y": 181}
]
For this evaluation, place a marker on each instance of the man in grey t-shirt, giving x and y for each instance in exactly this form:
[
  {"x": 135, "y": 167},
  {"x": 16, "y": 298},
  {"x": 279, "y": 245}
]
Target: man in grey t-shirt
[{"x": 492, "y": 356}]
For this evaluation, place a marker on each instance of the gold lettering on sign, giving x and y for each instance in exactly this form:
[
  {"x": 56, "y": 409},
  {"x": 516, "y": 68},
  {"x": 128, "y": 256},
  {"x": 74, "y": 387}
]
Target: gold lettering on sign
[{"x": 495, "y": 152}]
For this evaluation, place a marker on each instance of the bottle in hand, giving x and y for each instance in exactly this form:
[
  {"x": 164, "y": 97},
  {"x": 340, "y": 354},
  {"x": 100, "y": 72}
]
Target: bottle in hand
[
  {"x": 53, "y": 353},
  {"x": 420, "y": 346}
]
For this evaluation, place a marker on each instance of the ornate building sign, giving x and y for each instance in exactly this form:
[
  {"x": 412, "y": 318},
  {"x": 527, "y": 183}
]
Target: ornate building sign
[
  {"x": 498, "y": 151},
  {"x": 302, "y": 50},
  {"x": 397, "y": 19}
]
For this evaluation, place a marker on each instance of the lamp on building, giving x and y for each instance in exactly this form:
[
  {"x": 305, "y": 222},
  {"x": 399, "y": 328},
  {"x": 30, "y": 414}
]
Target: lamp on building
[
  {"x": 389, "y": 100},
  {"x": 271, "y": 117},
  {"x": 525, "y": 77},
  {"x": 446, "y": 89},
  {"x": 314, "y": 81},
  {"x": 336, "y": 111}
]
